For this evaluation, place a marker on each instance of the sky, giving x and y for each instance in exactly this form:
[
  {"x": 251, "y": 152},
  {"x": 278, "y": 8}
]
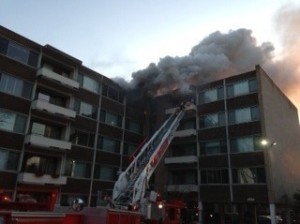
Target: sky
[{"x": 118, "y": 38}]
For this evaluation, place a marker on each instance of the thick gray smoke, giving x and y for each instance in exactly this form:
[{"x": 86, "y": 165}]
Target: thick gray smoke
[
  {"x": 222, "y": 54},
  {"x": 216, "y": 56}
]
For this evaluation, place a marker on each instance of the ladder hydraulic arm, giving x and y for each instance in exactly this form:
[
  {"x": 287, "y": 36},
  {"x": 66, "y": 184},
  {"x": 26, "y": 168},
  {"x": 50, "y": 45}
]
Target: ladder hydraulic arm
[{"x": 131, "y": 186}]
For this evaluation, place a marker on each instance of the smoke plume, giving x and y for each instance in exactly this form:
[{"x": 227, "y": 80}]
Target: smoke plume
[
  {"x": 216, "y": 56},
  {"x": 286, "y": 69},
  {"x": 222, "y": 54}
]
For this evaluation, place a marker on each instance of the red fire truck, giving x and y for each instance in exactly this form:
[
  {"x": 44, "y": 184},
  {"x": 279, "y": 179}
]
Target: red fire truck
[{"x": 131, "y": 203}]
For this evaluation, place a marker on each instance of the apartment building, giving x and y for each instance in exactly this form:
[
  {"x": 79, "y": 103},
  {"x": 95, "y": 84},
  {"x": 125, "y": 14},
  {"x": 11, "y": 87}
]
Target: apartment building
[
  {"x": 218, "y": 164},
  {"x": 68, "y": 130},
  {"x": 65, "y": 129}
]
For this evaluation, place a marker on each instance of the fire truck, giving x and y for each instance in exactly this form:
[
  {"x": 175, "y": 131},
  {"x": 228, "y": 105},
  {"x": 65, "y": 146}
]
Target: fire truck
[{"x": 131, "y": 203}]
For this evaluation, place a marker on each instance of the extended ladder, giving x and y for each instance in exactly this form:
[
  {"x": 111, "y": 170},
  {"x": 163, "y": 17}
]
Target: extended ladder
[{"x": 132, "y": 183}]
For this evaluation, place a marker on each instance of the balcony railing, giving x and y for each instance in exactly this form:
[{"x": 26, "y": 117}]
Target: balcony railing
[
  {"x": 57, "y": 77},
  {"x": 52, "y": 108},
  {"x": 181, "y": 159},
  {"x": 44, "y": 142},
  {"x": 41, "y": 179}
]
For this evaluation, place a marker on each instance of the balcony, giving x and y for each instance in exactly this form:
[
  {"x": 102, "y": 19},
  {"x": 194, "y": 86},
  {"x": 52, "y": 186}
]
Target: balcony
[
  {"x": 185, "y": 133},
  {"x": 181, "y": 159},
  {"x": 188, "y": 107},
  {"x": 48, "y": 73},
  {"x": 44, "y": 142},
  {"x": 182, "y": 188},
  {"x": 52, "y": 108},
  {"x": 41, "y": 179}
]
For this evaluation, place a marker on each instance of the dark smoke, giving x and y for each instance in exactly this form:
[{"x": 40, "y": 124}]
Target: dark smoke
[
  {"x": 216, "y": 56},
  {"x": 223, "y": 54}
]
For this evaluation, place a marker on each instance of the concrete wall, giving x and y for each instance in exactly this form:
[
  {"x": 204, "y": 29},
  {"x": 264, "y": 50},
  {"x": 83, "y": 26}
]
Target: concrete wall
[{"x": 280, "y": 124}]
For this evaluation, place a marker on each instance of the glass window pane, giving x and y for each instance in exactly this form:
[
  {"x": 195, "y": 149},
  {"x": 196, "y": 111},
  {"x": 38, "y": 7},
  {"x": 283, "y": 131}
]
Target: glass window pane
[
  {"x": 244, "y": 144},
  {"x": 253, "y": 85},
  {"x": 211, "y": 95},
  {"x": 33, "y": 59},
  {"x": 254, "y": 113},
  {"x": 230, "y": 91},
  {"x": 3, "y": 159},
  {"x": 111, "y": 119},
  {"x": 3, "y": 45},
  {"x": 211, "y": 120},
  {"x": 212, "y": 147},
  {"x": 7, "y": 120},
  {"x": 81, "y": 170},
  {"x": 12, "y": 161},
  {"x": 241, "y": 88},
  {"x": 18, "y": 52},
  {"x": 86, "y": 109},
  {"x": 220, "y": 93},
  {"x": 106, "y": 173},
  {"x": 110, "y": 145},
  {"x": 38, "y": 129},
  {"x": 242, "y": 115},
  {"x": 26, "y": 90},
  {"x": 90, "y": 84},
  {"x": 20, "y": 124}
]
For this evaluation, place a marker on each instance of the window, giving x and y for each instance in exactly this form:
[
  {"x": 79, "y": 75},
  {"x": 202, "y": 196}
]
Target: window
[
  {"x": 245, "y": 144},
  {"x": 187, "y": 124},
  {"x": 18, "y": 52},
  {"x": 45, "y": 130},
  {"x": 88, "y": 83},
  {"x": 213, "y": 147},
  {"x": 77, "y": 169},
  {"x": 243, "y": 115},
  {"x": 211, "y": 95},
  {"x": 111, "y": 118},
  {"x": 9, "y": 160},
  {"x": 214, "y": 176},
  {"x": 183, "y": 177},
  {"x": 241, "y": 88},
  {"x": 56, "y": 100},
  {"x": 108, "y": 145},
  {"x": 129, "y": 148},
  {"x": 133, "y": 126},
  {"x": 103, "y": 172},
  {"x": 112, "y": 93},
  {"x": 186, "y": 149},
  {"x": 249, "y": 175},
  {"x": 82, "y": 138},
  {"x": 14, "y": 86},
  {"x": 3, "y": 45},
  {"x": 85, "y": 109},
  {"x": 12, "y": 122},
  {"x": 212, "y": 120},
  {"x": 41, "y": 165}
]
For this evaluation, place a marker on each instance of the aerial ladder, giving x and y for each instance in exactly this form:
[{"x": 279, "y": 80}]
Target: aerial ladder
[{"x": 131, "y": 186}]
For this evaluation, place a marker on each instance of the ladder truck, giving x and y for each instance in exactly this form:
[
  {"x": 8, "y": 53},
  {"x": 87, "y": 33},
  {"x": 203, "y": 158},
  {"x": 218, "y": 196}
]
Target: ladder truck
[
  {"x": 130, "y": 189},
  {"x": 130, "y": 200}
]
